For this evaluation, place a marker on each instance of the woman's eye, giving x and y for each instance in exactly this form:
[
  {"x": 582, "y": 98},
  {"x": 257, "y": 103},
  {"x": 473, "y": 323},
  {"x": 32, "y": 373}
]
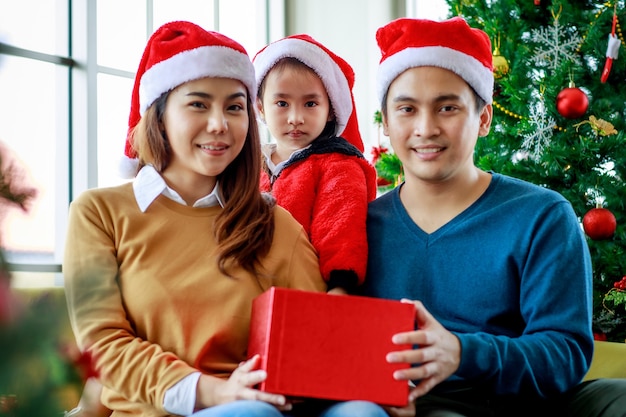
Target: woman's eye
[{"x": 236, "y": 107}]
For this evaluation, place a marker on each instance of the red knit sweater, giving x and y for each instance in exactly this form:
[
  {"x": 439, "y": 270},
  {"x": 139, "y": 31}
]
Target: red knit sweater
[{"x": 327, "y": 188}]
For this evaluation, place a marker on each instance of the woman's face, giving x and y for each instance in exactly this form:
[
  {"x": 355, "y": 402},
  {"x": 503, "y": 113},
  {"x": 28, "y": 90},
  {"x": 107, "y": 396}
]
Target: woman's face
[{"x": 206, "y": 123}]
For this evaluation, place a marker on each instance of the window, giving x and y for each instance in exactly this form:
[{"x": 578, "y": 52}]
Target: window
[
  {"x": 431, "y": 9},
  {"x": 66, "y": 77}
]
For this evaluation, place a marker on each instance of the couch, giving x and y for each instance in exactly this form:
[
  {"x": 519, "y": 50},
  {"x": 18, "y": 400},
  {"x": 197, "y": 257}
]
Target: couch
[{"x": 609, "y": 360}]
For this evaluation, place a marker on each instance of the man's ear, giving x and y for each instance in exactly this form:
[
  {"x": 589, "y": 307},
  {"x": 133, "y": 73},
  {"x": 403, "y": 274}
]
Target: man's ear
[
  {"x": 486, "y": 117},
  {"x": 385, "y": 126}
]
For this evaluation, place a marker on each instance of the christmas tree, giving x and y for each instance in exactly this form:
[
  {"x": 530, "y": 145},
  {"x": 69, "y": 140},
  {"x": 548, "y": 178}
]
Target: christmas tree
[{"x": 559, "y": 121}]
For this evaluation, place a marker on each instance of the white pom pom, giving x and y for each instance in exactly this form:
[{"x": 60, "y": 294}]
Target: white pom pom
[{"x": 128, "y": 167}]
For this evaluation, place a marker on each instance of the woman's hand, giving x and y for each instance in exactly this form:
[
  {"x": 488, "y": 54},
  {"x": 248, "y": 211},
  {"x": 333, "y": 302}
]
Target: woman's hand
[{"x": 214, "y": 391}]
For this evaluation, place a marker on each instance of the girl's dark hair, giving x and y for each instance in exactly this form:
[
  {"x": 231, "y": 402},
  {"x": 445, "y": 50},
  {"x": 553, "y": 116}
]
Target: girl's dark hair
[{"x": 245, "y": 228}]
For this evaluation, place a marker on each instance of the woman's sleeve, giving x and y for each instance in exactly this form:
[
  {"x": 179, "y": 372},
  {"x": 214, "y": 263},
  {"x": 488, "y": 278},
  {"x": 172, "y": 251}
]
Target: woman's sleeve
[{"x": 138, "y": 370}]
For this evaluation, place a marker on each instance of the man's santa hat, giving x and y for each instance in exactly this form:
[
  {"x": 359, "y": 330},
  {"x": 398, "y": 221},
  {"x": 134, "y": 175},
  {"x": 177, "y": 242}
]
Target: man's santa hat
[
  {"x": 451, "y": 44},
  {"x": 336, "y": 75},
  {"x": 176, "y": 53}
]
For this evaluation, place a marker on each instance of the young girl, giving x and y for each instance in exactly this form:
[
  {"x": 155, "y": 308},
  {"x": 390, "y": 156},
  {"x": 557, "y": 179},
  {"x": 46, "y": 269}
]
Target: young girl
[
  {"x": 160, "y": 273},
  {"x": 316, "y": 169}
]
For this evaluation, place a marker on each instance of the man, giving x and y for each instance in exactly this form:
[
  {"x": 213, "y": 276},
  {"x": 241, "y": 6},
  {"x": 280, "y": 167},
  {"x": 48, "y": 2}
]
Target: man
[{"x": 500, "y": 267}]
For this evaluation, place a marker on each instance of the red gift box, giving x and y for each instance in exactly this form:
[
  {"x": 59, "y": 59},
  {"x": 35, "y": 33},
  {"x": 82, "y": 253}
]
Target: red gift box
[{"x": 318, "y": 345}]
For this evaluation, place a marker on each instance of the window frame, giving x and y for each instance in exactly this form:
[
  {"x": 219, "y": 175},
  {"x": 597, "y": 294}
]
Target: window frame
[{"x": 76, "y": 163}]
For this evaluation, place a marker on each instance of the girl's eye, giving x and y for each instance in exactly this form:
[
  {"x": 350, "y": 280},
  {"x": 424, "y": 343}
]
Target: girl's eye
[
  {"x": 406, "y": 109},
  {"x": 310, "y": 104},
  {"x": 281, "y": 104},
  {"x": 446, "y": 109},
  {"x": 197, "y": 104}
]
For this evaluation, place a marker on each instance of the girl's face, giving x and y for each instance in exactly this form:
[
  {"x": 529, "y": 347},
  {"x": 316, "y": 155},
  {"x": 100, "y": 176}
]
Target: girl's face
[
  {"x": 295, "y": 107},
  {"x": 206, "y": 123}
]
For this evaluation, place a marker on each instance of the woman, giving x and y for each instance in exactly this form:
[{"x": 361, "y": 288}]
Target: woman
[{"x": 160, "y": 273}]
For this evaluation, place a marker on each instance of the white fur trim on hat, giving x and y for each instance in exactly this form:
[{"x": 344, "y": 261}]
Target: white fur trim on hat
[
  {"x": 193, "y": 64},
  {"x": 127, "y": 167},
  {"x": 318, "y": 60},
  {"x": 465, "y": 66}
]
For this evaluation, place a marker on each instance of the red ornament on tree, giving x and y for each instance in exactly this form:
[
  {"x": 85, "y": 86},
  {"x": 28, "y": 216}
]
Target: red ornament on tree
[
  {"x": 599, "y": 223},
  {"x": 572, "y": 102}
]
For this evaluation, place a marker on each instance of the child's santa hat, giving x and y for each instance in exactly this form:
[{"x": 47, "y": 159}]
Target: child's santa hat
[
  {"x": 336, "y": 75},
  {"x": 176, "y": 53},
  {"x": 451, "y": 44}
]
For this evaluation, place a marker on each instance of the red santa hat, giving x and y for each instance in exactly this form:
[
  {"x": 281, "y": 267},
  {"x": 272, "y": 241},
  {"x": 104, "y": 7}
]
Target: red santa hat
[
  {"x": 451, "y": 44},
  {"x": 336, "y": 75},
  {"x": 176, "y": 53}
]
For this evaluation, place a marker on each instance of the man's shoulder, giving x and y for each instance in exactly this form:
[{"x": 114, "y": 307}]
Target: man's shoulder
[
  {"x": 519, "y": 188},
  {"x": 384, "y": 199}
]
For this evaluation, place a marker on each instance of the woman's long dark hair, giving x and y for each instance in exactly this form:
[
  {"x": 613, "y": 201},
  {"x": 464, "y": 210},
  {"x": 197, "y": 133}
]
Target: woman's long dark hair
[{"x": 245, "y": 228}]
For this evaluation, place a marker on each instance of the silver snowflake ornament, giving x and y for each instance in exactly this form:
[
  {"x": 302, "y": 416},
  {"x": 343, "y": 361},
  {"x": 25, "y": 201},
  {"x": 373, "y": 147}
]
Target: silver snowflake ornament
[
  {"x": 539, "y": 138},
  {"x": 555, "y": 45}
]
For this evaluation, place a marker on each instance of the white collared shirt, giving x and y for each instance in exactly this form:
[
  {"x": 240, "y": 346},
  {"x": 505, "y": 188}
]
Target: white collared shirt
[{"x": 149, "y": 184}]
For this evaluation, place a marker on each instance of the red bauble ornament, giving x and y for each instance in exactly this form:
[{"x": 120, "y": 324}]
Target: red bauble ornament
[
  {"x": 382, "y": 182},
  {"x": 599, "y": 223},
  {"x": 572, "y": 102}
]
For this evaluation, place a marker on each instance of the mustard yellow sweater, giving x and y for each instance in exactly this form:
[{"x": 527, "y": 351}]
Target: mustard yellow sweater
[{"x": 147, "y": 300}]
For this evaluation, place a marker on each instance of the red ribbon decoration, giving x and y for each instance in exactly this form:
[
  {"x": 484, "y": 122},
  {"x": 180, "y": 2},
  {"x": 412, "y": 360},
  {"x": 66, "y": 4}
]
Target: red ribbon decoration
[{"x": 612, "y": 49}]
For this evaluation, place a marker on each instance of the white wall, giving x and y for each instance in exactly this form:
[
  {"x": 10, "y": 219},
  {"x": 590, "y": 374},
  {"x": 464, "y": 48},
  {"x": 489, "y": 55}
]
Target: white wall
[{"x": 348, "y": 28}]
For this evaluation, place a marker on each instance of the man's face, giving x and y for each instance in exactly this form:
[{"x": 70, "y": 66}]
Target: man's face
[{"x": 433, "y": 124}]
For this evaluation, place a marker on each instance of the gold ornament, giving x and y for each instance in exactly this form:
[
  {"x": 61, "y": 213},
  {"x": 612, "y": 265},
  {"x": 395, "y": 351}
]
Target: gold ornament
[
  {"x": 500, "y": 64},
  {"x": 600, "y": 126}
]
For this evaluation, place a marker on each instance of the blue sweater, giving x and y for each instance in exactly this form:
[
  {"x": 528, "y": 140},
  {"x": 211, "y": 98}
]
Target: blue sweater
[{"x": 510, "y": 276}]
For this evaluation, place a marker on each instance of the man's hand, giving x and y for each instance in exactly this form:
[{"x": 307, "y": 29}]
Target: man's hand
[
  {"x": 437, "y": 356},
  {"x": 408, "y": 411}
]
